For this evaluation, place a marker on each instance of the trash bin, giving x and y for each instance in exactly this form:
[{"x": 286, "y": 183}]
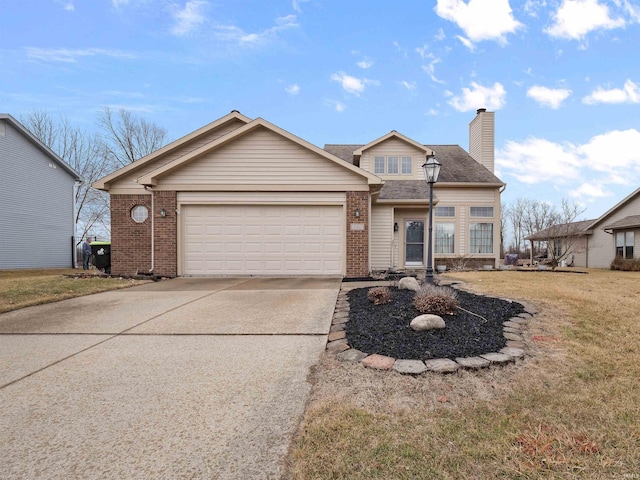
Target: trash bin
[{"x": 101, "y": 255}]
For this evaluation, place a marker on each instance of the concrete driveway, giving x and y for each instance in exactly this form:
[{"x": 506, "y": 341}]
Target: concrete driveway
[{"x": 186, "y": 378}]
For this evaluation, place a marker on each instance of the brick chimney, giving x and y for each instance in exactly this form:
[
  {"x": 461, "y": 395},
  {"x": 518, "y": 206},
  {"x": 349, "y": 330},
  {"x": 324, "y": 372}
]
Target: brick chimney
[{"x": 481, "y": 138}]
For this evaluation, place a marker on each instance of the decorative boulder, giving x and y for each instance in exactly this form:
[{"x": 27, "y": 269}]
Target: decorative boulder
[
  {"x": 427, "y": 322},
  {"x": 409, "y": 283}
]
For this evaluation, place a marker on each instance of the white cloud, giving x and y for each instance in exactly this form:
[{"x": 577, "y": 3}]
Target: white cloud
[
  {"x": 337, "y": 106},
  {"x": 293, "y": 89},
  {"x": 548, "y": 97},
  {"x": 351, "y": 84},
  {"x": 364, "y": 64},
  {"x": 440, "y": 35},
  {"x": 117, "y": 3},
  {"x": 296, "y": 5},
  {"x": 71, "y": 56},
  {"x": 532, "y": 7},
  {"x": 430, "y": 68},
  {"x": 411, "y": 86},
  {"x": 576, "y": 18},
  {"x": 538, "y": 160},
  {"x": 67, "y": 5},
  {"x": 234, "y": 34},
  {"x": 479, "y": 96},
  {"x": 615, "y": 150},
  {"x": 432, "y": 112},
  {"x": 592, "y": 166},
  {"x": 630, "y": 93},
  {"x": 480, "y": 19},
  {"x": 466, "y": 42},
  {"x": 189, "y": 17},
  {"x": 589, "y": 190}
]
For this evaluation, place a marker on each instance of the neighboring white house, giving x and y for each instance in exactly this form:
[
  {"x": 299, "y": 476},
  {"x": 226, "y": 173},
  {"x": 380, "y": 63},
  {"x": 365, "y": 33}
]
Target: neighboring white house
[
  {"x": 595, "y": 243},
  {"x": 37, "y": 202},
  {"x": 241, "y": 196}
]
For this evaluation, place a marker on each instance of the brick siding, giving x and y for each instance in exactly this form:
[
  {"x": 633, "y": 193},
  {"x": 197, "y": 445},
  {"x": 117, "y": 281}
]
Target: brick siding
[
  {"x": 358, "y": 240},
  {"x": 131, "y": 241}
]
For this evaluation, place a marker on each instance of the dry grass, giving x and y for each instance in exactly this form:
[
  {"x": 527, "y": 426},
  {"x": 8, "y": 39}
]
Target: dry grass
[
  {"x": 570, "y": 410},
  {"x": 24, "y": 288}
]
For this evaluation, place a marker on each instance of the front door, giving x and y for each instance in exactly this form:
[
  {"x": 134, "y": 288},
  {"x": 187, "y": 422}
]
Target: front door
[{"x": 414, "y": 243}]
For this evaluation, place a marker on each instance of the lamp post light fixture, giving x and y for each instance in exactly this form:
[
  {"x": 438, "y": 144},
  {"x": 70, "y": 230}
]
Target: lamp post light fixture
[{"x": 431, "y": 172}]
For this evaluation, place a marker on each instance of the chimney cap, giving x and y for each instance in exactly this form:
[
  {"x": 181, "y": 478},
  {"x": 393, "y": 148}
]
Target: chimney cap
[{"x": 480, "y": 110}]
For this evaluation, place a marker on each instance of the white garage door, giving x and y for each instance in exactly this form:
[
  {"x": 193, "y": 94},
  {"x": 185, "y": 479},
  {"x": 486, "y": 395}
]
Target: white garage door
[{"x": 262, "y": 240}]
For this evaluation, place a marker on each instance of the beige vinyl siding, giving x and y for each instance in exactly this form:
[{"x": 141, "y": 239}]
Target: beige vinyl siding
[
  {"x": 481, "y": 139},
  {"x": 381, "y": 237},
  {"x": 602, "y": 244},
  {"x": 467, "y": 196},
  {"x": 261, "y": 157},
  {"x": 129, "y": 182},
  {"x": 262, "y": 198},
  {"x": 395, "y": 147}
]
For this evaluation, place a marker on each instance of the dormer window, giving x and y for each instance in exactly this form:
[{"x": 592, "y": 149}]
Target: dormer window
[
  {"x": 393, "y": 165},
  {"x": 378, "y": 166},
  {"x": 407, "y": 165}
]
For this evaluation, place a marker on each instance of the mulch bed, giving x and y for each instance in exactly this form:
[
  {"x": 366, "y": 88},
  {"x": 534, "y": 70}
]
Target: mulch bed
[{"x": 384, "y": 329}]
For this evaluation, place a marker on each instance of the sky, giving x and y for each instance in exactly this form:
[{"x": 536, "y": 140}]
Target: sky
[{"x": 562, "y": 76}]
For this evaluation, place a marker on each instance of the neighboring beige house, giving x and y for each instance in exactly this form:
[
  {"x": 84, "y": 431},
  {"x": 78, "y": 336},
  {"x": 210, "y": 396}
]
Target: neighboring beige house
[
  {"x": 597, "y": 242},
  {"x": 245, "y": 197}
]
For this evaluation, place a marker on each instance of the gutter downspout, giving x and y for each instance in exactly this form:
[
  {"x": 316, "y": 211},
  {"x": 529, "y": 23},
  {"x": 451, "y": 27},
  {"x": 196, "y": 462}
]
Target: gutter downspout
[{"x": 149, "y": 189}]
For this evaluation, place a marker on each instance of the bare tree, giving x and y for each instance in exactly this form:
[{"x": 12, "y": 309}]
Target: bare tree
[
  {"x": 127, "y": 138},
  {"x": 514, "y": 222},
  {"x": 554, "y": 231},
  {"x": 81, "y": 150}
]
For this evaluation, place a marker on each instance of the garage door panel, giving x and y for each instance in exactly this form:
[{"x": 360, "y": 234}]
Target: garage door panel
[{"x": 268, "y": 240}]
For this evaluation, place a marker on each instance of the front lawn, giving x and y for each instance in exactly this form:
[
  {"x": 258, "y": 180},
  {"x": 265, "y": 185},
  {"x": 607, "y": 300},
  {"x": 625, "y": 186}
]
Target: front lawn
[
  {"x": 570, "y": 410},
  {"x": 24, "y": 288}
]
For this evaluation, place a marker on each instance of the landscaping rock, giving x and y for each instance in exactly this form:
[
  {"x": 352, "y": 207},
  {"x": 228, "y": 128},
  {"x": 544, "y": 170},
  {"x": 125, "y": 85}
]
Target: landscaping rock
[
  {"x": 514, "y": 344},
  {"x": 513, "y": 352},
  {"x": 352, "y": 355},
  {"x": 497, "y": 357},
  {"x": 408, "y": 283},
  {"x": 473, "y": 363},
  {"x": 442, "y": 365},
  {"x": 337, "y": 336},
  {"x": 338, "y": 346},
  {"x": 337, "y": 327},
  {"x": 511, "y": 324},
  {"x": 379, "y": 362},
  {"x": 512, "y": 336},
  {"x": 412, "y": 367},
  {"x": 427, "y": 322}
]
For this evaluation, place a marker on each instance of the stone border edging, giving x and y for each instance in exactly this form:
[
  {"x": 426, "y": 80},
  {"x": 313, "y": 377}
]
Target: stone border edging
[{"x": 337, "y": 342}]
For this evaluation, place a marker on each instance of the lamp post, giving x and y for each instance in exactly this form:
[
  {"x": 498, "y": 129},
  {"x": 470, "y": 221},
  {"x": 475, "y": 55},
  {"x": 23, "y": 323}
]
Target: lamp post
[{"x": 431, "y": 172}]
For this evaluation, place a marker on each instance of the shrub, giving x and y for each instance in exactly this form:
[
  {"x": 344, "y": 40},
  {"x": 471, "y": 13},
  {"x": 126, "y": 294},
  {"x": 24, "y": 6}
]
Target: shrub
[
  {"x": 436, "y": 300},
  {"x": 626, "y": 265},
  {"x": 379, "y": 295}
]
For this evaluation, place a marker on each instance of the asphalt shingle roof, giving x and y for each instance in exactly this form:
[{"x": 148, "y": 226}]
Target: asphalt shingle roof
[
  {"x": 457, "y": 167},
  {"x": 562, "y": 230},
  {"x": 632, "y": 221}
]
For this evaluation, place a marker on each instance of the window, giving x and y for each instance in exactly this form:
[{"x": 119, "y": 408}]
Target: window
[
  {"x": 481, "y": 211},
  {"x": 481, "y": 238},
  {"x": 444, "y": 237},
  {"x": 392, "y": 165},
  {"x": 444, "y": 211},
  {"x": 624, "y": 244},
  {"x": 407, "y": 165},
  {"x": 139, "y": 213},
  {"x": 378, "y": 166}
]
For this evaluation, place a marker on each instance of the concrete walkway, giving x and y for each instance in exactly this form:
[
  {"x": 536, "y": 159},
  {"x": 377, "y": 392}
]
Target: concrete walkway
[{"x": 187, "y": 378}]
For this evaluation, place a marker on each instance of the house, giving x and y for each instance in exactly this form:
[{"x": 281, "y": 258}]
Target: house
[
  {"x": 568, "y": 242},
  {"x": 37, "y": 196},
  {"x": 595, "y": 243},
  {"x": 245, "y": 197}
]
